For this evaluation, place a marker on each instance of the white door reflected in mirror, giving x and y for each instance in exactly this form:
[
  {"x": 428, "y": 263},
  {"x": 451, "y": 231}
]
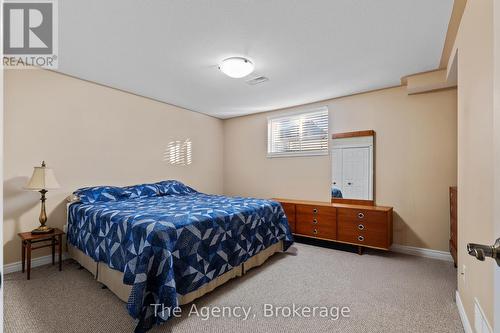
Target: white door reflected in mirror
[{"x": 352, "y": 166}]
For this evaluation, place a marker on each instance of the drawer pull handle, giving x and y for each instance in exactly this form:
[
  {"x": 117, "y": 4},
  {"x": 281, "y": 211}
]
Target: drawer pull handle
[
  {"x": 315, "y": 210},
  {"x": 361, "y": 238},
  {"x": 315, "y": 221},
  {"x": 315, "y": 231},
  {"x": 361, "y": 227},
  {"x": 361, "y": 215}
]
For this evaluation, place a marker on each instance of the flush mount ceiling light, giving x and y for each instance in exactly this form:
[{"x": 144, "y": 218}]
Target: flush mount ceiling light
[{"x": 236, "y": 67}]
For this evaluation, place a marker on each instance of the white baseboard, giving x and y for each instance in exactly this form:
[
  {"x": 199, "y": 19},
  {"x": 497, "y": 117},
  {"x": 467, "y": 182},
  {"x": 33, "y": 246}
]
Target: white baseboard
[
  {"x": 463, "y": 315},
  {"x": 35, "y": 262},
  {"x": 421, "y": 252}
]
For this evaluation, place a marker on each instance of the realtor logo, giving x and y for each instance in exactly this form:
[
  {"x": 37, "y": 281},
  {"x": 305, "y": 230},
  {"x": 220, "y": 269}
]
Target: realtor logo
[{"x": 30, "y": 34}]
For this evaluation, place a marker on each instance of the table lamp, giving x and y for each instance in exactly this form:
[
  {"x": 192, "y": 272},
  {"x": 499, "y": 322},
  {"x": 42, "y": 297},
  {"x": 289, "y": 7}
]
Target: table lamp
[{"x": 43, "y": 179}]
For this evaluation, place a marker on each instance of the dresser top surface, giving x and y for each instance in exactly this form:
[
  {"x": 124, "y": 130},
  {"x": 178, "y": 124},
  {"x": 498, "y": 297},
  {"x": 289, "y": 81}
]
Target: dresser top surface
[{"x": 328, "y": 204}]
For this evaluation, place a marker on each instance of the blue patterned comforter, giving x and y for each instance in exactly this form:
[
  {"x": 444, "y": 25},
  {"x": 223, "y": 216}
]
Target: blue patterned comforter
[{"x": 169, "y": 241}]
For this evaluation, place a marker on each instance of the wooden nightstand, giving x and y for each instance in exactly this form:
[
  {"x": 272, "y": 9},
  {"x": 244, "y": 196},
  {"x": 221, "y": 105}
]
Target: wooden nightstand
[{"x": 28, "y": 239}]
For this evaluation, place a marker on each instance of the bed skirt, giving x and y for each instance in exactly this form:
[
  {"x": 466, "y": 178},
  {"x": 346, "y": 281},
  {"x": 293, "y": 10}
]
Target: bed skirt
[{"x": 113, "y": 279}]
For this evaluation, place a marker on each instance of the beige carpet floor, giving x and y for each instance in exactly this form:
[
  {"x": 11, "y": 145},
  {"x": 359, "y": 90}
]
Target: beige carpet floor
[{"x": 386, "y": 292}]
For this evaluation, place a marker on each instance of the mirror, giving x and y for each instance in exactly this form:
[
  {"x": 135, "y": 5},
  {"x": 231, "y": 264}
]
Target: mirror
[{"x": 352, "y": 158}]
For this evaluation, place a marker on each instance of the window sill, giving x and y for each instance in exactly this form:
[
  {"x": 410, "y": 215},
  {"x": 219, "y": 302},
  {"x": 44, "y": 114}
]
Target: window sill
[{"x": 298, "y": 154}]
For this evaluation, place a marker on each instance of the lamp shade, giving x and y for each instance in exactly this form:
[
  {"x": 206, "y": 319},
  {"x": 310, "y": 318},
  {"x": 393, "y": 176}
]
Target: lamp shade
[{"x": 43, "y": 178}]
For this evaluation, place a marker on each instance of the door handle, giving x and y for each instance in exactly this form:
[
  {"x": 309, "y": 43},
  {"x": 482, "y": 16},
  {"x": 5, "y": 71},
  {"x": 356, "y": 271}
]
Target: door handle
[{"x": 481, "y": 251}]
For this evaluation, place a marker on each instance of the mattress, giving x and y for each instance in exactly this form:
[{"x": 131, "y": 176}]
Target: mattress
[{"x": 169, "y": 240}]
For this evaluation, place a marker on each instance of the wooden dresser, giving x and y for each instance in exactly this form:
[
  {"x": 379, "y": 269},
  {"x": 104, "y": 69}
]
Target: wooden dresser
[
  {"x": 453, "y": 223},
  {"x": 364, "y": 226}
]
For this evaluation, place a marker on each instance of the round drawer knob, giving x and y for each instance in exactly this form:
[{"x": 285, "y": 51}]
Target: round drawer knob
[
  {"x": 361, "y": 227},
  {"x": 361, "y": 215},
  {"x": 315, "y": 210},
  {"x": 315, "y": 231},
  {"x": 361, "y": 238},
  {"x": 315, "y": 221}
]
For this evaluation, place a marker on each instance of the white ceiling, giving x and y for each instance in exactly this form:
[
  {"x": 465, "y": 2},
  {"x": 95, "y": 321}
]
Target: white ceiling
[{"x": 311, "y": 50}]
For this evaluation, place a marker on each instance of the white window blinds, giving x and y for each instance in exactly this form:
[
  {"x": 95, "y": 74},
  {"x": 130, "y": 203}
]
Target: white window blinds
[{"x": 298, "y": 134}]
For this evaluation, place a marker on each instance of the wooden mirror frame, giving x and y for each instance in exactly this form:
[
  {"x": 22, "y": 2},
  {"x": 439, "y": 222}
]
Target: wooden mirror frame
[{"x": 353, "y": 135}]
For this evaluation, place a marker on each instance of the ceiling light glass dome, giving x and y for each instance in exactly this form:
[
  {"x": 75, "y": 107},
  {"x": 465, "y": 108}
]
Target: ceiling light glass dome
[{"x": 236, "y": 67}]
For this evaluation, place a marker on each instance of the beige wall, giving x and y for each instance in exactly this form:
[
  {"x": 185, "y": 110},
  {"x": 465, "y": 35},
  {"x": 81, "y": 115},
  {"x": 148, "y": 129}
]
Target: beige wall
[
  {"x": 416, "y": 159},
  {"x": 92, "y": 135},
  {"x": 475, "y": 152}
]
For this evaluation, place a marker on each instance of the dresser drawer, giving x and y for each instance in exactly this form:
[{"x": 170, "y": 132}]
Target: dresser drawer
[
  {"x": 352, "y": 235},
  {"x": 316, "y": 221},
  {"x": 325, "y": 231},
  {"x": 312, "y": 210},
  {"x": 290, "y": 214},
  {"x": 376, "y": 219},
  {"x": 363, "y": 227}
]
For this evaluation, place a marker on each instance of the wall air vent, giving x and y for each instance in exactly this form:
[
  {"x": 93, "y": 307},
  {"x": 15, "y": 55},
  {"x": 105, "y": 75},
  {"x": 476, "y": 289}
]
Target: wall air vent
[{"x": 257, "y": 80}]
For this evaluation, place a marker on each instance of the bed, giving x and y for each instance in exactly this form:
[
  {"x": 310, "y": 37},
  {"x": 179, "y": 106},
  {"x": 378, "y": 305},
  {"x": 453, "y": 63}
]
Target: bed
[
  {"x": 336, "y": 192},
  {"x": 165, "y": 243}
]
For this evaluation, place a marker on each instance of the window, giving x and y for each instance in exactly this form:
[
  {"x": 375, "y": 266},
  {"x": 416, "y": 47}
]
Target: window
[
  {"x": 178, "y": 153},
  {"x": 299, "y": 134}
]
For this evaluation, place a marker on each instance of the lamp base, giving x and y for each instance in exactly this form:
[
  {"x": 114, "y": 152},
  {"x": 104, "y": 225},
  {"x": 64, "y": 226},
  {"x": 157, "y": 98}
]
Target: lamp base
[{"x": 43, "y": 229}]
